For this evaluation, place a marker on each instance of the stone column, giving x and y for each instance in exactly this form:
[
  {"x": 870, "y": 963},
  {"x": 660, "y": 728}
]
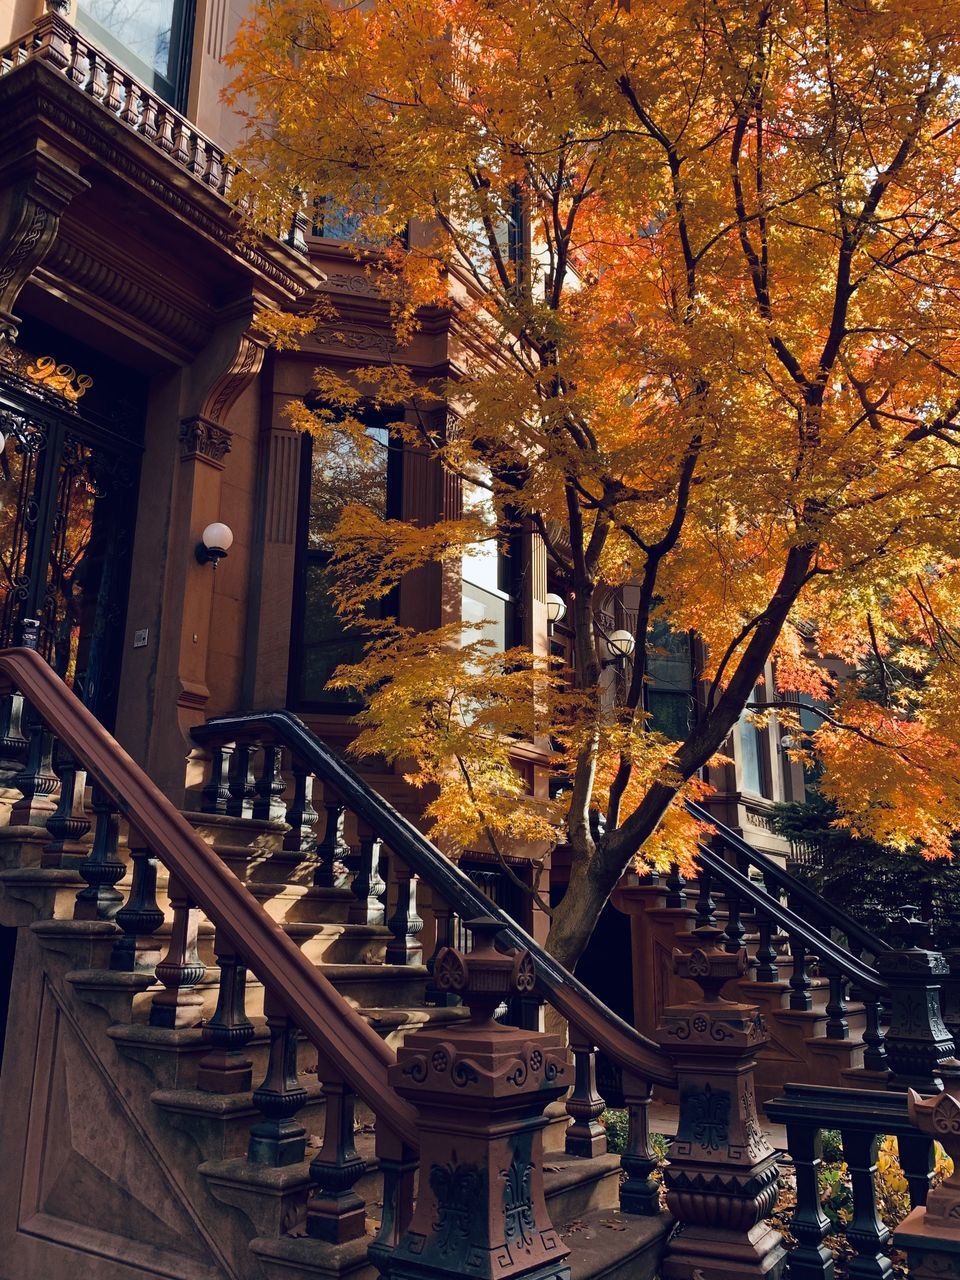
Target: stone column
[
  {"x": 721, "y": 1178},
  {"x": 917, "y": 1040},
  {"x": 480, "y": 1090},
  {"x": 930, "y": 1234}
]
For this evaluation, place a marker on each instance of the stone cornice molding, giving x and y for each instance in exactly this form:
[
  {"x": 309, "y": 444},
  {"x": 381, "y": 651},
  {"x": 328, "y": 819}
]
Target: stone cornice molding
[{"x": 38, "y": 104}]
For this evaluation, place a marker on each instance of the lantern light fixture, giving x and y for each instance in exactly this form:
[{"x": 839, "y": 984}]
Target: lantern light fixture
[
  {"x": 556, "y": 608},
  {"x": 620, "y": 646},
  {"x": 215, "y": 541}
]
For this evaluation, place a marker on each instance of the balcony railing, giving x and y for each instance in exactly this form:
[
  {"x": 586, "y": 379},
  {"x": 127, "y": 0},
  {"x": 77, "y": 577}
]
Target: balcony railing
[{"x": 56, "y": 43}]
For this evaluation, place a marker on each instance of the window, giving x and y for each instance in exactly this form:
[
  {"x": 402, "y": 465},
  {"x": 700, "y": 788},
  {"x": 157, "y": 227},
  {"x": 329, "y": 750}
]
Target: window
[
  {"x": 151, "y": 38},
  {"x": 486, "y": 578},
  {"x": 329, "y": 482},
  {"x": 753, "y": 775},
  {"x": 670, "y": 687}
]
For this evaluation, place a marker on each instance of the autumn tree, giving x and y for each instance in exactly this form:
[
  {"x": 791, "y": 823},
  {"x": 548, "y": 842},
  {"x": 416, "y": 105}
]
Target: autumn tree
[{"x": 699, "y": 262}]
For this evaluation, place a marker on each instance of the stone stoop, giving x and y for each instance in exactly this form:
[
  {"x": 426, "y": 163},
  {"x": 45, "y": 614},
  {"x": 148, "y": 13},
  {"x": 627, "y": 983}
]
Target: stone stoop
[{"x": 605, "y": 1244}]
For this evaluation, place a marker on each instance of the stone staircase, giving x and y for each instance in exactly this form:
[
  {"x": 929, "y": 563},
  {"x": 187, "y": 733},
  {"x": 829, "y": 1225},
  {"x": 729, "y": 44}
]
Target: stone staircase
[{"x": 134, "y": 1138}]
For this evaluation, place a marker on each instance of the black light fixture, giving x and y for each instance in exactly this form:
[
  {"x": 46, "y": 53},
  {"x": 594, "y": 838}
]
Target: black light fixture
[{"x": 215, "y": 541}]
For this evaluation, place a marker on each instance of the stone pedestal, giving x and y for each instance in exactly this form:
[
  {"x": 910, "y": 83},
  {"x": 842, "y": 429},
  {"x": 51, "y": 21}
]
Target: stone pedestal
[
  {"x": 917, "y": 1040},
  {"x": 930, "y": 1234},
  {"x": 721, "y": 1179},
  {"x": 480, "y": 1090}
]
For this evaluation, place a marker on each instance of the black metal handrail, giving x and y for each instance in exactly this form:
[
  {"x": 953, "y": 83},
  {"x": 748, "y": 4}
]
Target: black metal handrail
[
  {"x": 799, "y": 893},
  {"x": 757, "y": 900},
  {"x": 621, "y": 1042}
]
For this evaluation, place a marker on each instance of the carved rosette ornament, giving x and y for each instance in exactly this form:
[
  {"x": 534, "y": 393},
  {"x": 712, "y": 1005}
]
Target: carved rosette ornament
[
  {"x": 721, "y": 1179},
  {"x": 480, "y": 1090},
  {"x": 930, "y": 1234}
]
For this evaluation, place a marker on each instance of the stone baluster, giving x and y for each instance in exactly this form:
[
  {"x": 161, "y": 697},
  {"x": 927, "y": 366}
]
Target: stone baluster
[
  {"x": 216, "y": 793},
  {"x": 268, "y": 805},
  {"x": 130, "y": 112},
  {"x": 13, "y": 743},
  {"x": 36, "y": 781},
  {"x": 639, "y": 1190},
  {"x": 301, "y": 815},
  {"x": 97, "y": 88},
  {"x": 676, "y": 887},
  {"x": 929, "y": 1232},
  {"x": 585, "y": 1136},
  {"x": 866, "y": 1233},
  {"x": 706, "y": 907},
  {"x": 766, "y": 969},
  {"x": 226, "y": 1068},
  {"x": 405, "y": 924},
  {"x": 241, "y": 784},
  {"x": 69, "y": 823},
  {"x": 721, "y": 1178},
  {"x": 178, "y": 1004},
  {"x": 148, "y": 117},
  {"x": 140, "y": 917},
  {"x": 874, "y": 1041},
  {"x": 445, "y": 929},
  {"x": 800, "y": 983},
  {"x": 916, "y": 1040},
  {"x": 278, "y": 1139},
  {"x": 181, "y": 138},
  {"x": 481, "y": 1150},
  {"x": 398, "y": 1168},
  {"x": 165, "y": 130},
  {"x": 332, "y": 848},
  {"x": 101, "y": 900},
  {"x": 212, "y": 176},
  {"x": 810, "y": 1226},
  {"x": 113, "y": 98},
  {"x": 77, "y": 71},
  {"x": 335, "y": 1212},
  {"x": 837, "y": 1028},
  {"x": 734, "y": 931},
  {"x": 368, "y": 885}
]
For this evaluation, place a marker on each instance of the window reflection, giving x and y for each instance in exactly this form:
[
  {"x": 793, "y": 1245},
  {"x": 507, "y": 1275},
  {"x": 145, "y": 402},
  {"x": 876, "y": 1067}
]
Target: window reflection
[{"x": 149, "y": 37}]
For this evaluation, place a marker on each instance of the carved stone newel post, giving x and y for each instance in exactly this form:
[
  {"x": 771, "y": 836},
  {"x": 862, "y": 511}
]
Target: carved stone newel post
[
  {"x": 480, "y": 1090},
  {"x": 930, "y": 1234},
  {"x": 917, "y": 1040},
  {"x": 721, "y": 1179}
]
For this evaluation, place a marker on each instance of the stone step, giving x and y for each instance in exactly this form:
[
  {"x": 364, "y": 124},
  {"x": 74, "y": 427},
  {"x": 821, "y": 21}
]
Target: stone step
[{"x": 605, "y": 1244}]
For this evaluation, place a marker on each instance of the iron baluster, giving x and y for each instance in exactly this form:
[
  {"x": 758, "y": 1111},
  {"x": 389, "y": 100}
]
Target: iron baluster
[
  {"x": 706, "y": 907},
  {"x": 69, "y": 824},
  {"x": 101, "y": 900},
  {"x": 585, "y": 1136},
  {"x": 766, "y": 969},
  {"x": 332, "y": 848},
  {"x": 335, "y": 1212},
  {"x": 866, "y": 1232},
  {"x": 734, "y": 931},
  {"x": 36, "y": 781},
  {"x": 226, "y": 1068},
  {"x": 268, "y": 803},
  {"x": 811, "y": 1259},
  {"x": 216, "y": 793},
  {"x": 676, "y": 887},
  {"x": 278, "y": 1139},
  {"x": 639, "y": 1191},
  {"x": 139, "y": 917},
  {"x": 178, "y": 1004},
  {"x": 241, "y": 783},
  {"x": 837, "y": 1028},
  {"x": 800, "y": 983}
]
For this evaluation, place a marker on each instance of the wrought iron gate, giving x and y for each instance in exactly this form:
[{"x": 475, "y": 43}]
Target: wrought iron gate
[{"x": 68, "y": 496}]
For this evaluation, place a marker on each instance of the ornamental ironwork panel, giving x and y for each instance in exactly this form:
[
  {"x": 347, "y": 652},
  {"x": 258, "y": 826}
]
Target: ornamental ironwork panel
[{"x": 68, "y": 489}]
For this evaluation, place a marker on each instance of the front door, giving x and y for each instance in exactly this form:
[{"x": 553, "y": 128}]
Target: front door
[{"x": 68, "y": 494}]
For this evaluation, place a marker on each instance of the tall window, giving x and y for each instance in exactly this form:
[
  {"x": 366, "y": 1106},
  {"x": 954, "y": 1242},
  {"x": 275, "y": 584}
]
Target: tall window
[
  {"x": 753, "y": 774},
  {"x": 670, "y": 673},
  {"x": 487, "y": 586},
  {"x": 329, "y": 481},
  {"x": 151, "y": 38}
]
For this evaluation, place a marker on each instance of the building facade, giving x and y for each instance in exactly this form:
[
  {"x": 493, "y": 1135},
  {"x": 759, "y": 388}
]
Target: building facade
[{"x": 141, "y": 403}]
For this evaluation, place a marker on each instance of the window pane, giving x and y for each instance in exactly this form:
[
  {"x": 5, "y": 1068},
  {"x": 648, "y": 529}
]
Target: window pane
[
  {"x": 751, "y": 770},
  {"x": 481, "y": 561},
  {"x": 670, "y": 714},
  {"x": 483, "y": 606},
  {"x": 147, "y": 36},
  {"x": 339, "y": 477},
  {"x": 669, "y": 661},
  {"x": 325, "y": 646}
]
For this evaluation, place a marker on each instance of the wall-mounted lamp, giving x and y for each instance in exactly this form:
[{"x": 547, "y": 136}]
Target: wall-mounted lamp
[
  {"x": 620, "y": 646},
  {"x": 215, "y": 541},
  {"x": 556, "y": 609}
]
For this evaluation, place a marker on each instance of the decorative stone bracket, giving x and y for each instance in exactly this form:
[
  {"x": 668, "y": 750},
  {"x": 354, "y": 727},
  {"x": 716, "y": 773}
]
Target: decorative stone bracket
[{"x": 32, "y": 199}]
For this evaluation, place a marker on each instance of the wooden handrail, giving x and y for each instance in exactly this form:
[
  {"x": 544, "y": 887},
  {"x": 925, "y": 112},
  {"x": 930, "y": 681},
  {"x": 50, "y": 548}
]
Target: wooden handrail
[
  {"x": 304, "y": 993},
  {"x": 589, "y": 1015}
]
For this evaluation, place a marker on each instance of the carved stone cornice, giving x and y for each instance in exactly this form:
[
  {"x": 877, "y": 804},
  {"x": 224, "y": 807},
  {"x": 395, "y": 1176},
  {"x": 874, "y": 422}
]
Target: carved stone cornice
[
  {"x": 204, "y": 441},
  {"x": 36, "y": 99},
  {"x": 354, "y": 338}
]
